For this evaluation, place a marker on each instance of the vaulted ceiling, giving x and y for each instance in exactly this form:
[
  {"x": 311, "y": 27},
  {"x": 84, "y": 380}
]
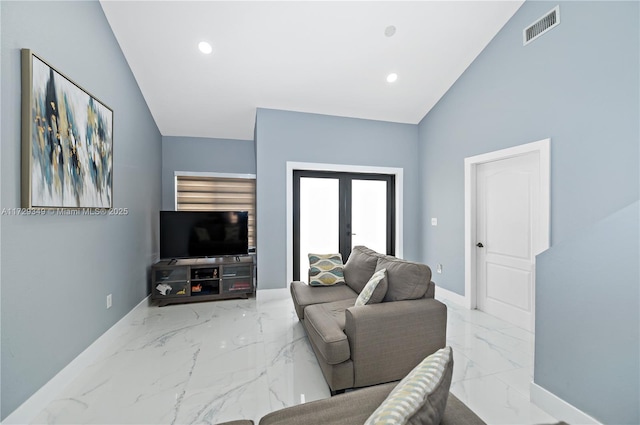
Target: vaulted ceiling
[{"x": 326, "y": 57}]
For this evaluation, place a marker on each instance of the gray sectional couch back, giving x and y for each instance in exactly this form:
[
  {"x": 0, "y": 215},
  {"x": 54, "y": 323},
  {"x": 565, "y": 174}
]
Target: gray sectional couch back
[{"x": 407, "y": 280}]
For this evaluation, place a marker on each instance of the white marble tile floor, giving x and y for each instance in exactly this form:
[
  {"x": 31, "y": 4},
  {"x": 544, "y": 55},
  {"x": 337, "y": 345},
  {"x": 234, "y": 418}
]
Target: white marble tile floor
[
  {"x": 493, "y": 367},
  {"x": 205, "y": 363}
]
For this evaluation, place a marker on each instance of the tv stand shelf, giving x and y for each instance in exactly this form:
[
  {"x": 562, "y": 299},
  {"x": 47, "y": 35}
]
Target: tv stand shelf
[{"x": 202, "y": 279}]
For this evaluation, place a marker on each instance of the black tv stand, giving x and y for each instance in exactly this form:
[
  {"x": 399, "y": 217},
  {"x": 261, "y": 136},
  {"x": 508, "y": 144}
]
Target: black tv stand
[{"x": 202, "y": 279}]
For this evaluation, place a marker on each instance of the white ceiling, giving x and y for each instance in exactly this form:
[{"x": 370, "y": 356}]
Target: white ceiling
[{"x": 325, "y": 57}]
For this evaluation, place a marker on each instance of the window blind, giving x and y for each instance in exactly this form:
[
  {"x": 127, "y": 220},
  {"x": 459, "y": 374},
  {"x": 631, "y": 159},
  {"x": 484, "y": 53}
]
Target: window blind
[{"x": 199, "y": 193}]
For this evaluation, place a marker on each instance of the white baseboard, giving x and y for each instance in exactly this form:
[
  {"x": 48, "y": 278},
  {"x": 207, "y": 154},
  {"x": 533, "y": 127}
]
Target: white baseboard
[
  {"x": 28, "y": 410},
  {"x": 558, "y": 408},
  {"x": 445, "y": 294}
]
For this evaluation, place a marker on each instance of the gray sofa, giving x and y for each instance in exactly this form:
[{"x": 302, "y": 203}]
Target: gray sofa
[
  {"x": 360, "y": 346},
  {"x": 353, "y": 408}
]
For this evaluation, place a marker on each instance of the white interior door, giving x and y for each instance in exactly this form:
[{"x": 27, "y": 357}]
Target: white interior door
[{"x": 507, "y": 221}]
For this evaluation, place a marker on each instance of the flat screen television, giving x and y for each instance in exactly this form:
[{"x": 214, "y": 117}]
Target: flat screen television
[{"x": 185, "y": 234}]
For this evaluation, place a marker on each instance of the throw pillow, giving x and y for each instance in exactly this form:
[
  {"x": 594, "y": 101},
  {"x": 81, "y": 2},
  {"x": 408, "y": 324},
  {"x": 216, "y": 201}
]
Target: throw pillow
[
  {"x": 374, "y": 290},
  {"x": 421, "y": 397},
  {"x": 325, "y": 269}
]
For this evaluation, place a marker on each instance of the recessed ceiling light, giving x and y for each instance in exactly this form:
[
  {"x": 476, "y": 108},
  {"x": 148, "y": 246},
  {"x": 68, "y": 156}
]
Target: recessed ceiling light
[
  {"x": 391, "y": 78},
  {"x": 390, "y": 31},
  {"x": 205, "y": 47}
]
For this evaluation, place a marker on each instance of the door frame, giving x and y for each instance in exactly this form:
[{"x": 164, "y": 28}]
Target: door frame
[
  {"x": 543, "y": 148},
  {"x": 342, "y": 168}
]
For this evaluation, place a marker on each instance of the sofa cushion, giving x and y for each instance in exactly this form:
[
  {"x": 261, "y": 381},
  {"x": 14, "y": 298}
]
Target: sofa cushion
[
  {"x": 421, "y": 397},
  {"x": 325, "y": 269},
  {"x": 325, "y": 326},
  {"x": 360, "y": 267},
  {"x": 457, "y": 413},
  {"x": 304, "y": 295},
  {"x": 375, "y": 290},
  {"x": 351, "y": 408},
  {"x": 407, "y": 280},
  {"x": 355, "y": 407}
]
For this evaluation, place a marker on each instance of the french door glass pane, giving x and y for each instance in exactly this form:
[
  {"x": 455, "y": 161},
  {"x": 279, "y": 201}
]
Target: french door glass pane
[
  {"x": 319, "y": 219},
  {"x": 369, "y": 214}
]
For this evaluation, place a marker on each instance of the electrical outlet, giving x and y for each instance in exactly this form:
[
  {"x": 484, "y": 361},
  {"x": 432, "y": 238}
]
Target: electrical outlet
[
  {"x": 109, "y": 301},
  {"x": 439, "y": 268},
  {"x": 434, "y": 221}
]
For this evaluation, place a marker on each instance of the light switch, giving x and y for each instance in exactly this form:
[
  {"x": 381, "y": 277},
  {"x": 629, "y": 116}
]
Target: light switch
[
  {"x": 439, "y": 268},
  {"x": 434, "y": 221}
]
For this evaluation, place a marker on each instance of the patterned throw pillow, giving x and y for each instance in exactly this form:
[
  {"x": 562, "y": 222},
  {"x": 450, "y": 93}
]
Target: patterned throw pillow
[
  {"x": 325, "y": 269},
  {"x": 378, "y": 280},
  {"x": 421, "y": 397}
]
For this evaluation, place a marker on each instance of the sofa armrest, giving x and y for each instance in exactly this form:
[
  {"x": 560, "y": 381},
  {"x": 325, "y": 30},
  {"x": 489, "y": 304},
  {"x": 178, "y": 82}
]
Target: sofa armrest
[
  {"x": 389, "y": 339},
  {"x": 345, "y": 409}
]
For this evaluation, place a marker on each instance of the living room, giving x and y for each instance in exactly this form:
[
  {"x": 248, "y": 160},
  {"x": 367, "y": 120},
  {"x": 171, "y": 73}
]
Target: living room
[{"x": 578, "y": 86}]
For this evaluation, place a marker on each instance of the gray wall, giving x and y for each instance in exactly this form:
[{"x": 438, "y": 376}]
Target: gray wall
[
  {"x": 578, "y": 85},
  {"x": 283, "y": 136},
  {"x": 203, "y": 155},
  {"x": 56, "y": 271},
  {"x": 590, "y": 355}
]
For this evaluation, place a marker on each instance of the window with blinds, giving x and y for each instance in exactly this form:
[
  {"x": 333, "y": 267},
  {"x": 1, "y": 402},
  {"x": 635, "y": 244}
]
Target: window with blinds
[{"x": 199, "y": 193}]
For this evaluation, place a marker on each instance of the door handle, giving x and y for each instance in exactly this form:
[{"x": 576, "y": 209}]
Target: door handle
[{"x": 479, "y": 245}]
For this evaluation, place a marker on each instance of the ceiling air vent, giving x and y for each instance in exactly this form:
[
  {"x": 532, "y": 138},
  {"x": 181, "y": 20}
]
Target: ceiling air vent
[{"x": 541, "y": 26}]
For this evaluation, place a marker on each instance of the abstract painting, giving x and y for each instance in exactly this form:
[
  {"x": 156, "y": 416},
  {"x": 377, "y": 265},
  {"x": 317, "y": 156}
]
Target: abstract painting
[{"x": 67, "y": 141}]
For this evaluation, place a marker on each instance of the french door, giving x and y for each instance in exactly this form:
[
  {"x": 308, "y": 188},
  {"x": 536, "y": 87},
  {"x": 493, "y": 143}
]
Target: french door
[{"x": 333, "y": 212}]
